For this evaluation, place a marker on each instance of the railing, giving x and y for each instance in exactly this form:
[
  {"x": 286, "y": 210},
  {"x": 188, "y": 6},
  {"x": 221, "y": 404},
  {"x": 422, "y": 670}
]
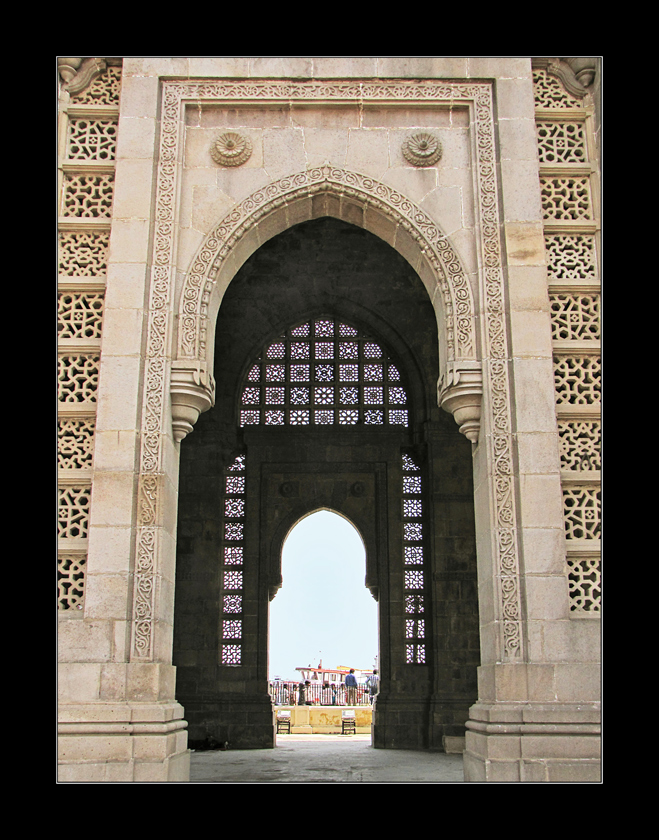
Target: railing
[{"x": 314, "y": 694}]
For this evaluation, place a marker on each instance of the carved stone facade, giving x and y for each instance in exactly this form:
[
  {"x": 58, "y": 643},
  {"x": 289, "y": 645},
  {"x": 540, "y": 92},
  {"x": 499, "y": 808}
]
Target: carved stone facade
[{"x": 435, "y": 378}]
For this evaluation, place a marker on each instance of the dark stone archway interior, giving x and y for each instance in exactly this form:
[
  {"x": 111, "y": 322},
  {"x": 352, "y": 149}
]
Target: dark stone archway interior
[{"x": 327, "y": 267}]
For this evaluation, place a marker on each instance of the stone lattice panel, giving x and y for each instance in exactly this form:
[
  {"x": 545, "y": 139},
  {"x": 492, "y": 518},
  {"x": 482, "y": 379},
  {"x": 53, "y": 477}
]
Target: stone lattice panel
[
  {"x": 561, "y": 142},
  {"x": 414, "y": 582},
  {"x": 92, "y": 139},
  {"x": 232, "y": 654},
  {"x": 73, "y": 512},
  {"x": 580, "y": 444},
  {"x": 415, "y": 654},
  {"x": 582, "y": 512},
  {"x": 584, "y": 582},
  {"x": 566, "y": 198},
  {"x": 575, "y": 316},
  {"x": 234, "y": 507},
  {"x": 75, "y": 439},
  {"x": 571, "y": 261},
  {"x": 233, "y": 557},
  {"x": 234, "y": 531},
  {"x": 232, "y": 604},
  {"x": 571, "y": 258},
  {"x": 71, "y": 581},
  {"x": 308, "y": 366},
  {"x": 232, "y": 629},
  {"x": 104, "y": 90},
  {"x": 78, "y": 378},
  {"x": 577, "y": 379},
  {"x": 550, "y": 93},
  {"x": 80, "y": 315},
  {"x": 83, "y": 253},
  {"x": 88, "y": 196}
]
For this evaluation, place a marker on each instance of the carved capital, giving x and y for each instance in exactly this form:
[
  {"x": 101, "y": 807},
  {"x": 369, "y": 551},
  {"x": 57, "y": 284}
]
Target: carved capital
[
  {"x": 68, "y": 66},
  {"x": 460, "y": 392},
  {"x": 575, "y": 74},
  {"x": 80, "y": 73},
  {"x": 192, "y": 390},
  {"x": 584, "y": 69}
]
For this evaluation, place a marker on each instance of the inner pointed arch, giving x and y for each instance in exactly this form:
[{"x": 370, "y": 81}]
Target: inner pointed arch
[{"x": 323, "y": 610}]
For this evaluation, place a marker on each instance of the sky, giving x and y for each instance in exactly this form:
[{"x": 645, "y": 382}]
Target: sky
[{"x": 323, "y": 609}]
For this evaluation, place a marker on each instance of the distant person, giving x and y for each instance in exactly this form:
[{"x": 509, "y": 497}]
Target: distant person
[
  {"x": 351, "y": 688},
  {"x": 301, "y": 695},
  {"x": 307, "y": 693},
  {"x": 373, "y": 684},
  {"x": 326, "y": 694}
]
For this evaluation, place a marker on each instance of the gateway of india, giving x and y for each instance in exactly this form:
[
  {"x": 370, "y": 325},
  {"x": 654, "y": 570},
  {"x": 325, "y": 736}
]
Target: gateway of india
[{"x": 360, "y": 284}]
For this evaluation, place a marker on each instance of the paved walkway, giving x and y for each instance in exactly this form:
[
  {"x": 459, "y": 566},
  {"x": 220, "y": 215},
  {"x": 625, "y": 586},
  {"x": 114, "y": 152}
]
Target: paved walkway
[{"x": 324, "y": 759}]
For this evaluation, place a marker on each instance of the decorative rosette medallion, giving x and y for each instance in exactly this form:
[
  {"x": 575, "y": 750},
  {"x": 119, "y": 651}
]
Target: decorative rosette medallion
[
  {"x": 422, "y": 149},
  {"x": 231, "y": 149}
]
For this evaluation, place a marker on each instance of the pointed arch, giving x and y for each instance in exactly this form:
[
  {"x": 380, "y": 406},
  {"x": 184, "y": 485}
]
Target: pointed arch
[
  {"x": 300, "y": 509},
  {"x": 323, "y": 563},
  {"x": 354, "y": 198}
]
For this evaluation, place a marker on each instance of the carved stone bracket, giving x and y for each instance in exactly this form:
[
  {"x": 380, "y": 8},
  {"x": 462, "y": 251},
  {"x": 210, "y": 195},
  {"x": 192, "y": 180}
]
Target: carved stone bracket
[
  {"x": 576, "y": 74},
  {"x": 460, "y": 393},
  {"x": 584, "y": 69},
  {"x": 192, "y": 392},
  {"x": 79, "y": 74},
  {"x": 68, "y": 66}
]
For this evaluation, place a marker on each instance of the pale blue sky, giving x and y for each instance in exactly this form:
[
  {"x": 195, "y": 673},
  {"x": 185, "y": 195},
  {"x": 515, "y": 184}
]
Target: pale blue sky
[{"x": 323, "y": 609}]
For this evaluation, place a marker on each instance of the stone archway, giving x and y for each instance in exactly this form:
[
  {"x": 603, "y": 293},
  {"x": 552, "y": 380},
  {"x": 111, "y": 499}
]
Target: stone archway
[
  {"x": 539, "y": 665},
  {"x": 192, "y": 383},
  {"x": 359, "y": 469},
  {"x": 359, "y": 200}
]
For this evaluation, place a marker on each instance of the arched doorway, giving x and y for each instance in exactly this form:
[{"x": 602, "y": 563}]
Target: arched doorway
[
  {"x": 365, "y": 439},
  {"x": 323, "y": 612}
]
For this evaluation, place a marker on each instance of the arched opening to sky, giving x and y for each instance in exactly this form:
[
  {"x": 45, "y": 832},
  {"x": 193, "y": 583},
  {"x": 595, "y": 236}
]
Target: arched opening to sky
[{"x": 323, "y": 610}]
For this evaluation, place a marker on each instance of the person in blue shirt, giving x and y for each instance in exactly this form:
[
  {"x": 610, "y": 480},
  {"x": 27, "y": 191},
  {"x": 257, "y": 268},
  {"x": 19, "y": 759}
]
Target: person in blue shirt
[{"x": 351, "y": 688}]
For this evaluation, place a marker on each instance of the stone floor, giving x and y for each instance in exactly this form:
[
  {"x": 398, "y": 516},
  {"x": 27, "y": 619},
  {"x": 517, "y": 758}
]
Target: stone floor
[{"x": 324, "y": 759}]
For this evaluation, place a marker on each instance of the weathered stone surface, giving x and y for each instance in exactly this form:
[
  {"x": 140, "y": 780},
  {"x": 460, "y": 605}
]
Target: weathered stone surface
[{"x": 465, "y": 270}]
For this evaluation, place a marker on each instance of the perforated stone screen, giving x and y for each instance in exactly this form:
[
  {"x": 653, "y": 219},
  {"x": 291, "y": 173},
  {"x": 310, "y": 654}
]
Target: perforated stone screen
[{"x": 324, "y": 372}]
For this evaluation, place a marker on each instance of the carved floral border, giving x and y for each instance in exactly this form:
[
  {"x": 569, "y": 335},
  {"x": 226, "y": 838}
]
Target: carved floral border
[{"x": 495, "y": 353}]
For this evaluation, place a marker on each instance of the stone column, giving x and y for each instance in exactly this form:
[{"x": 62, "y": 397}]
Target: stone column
[
  {"x": 537, "y": 717},
  {"x": 119, "y": 720}
]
